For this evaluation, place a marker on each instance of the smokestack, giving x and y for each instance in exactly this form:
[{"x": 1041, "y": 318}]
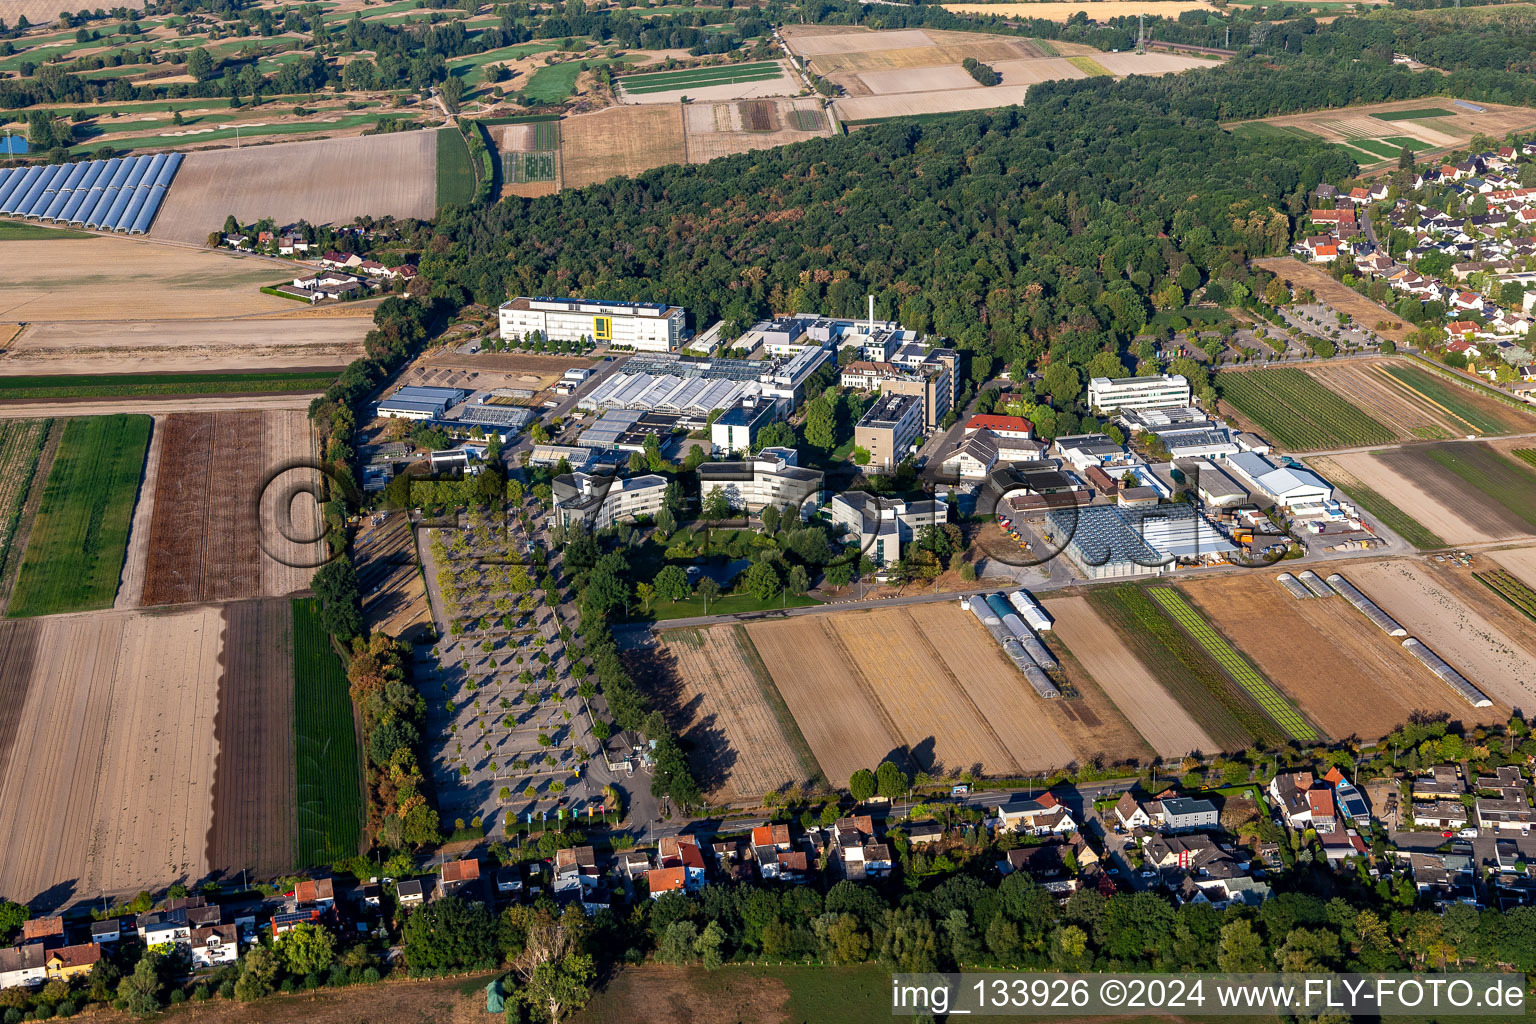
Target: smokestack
[{"x": 871, "y": 314}]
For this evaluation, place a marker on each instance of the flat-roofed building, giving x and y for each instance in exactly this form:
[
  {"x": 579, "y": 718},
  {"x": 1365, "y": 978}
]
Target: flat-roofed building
[
  {"x": 1168, "y": 390},
  {"x": 772, "y": 477},
  {"x": 736, "y": 429},
  {"x": 888, "y": 427},
  {"x": 1108, "y": 542},
  {"x": 883, "y": 526},
  {"x": 598, "y": 501},
  {"x": 645, "y": 326},
  {"x": 419, "y": 403}
]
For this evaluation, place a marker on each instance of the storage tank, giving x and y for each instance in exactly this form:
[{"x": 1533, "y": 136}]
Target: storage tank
[
  {"x": 1385, "y": 622},
  {"x": 1313, "y": 582},
  {"x": 1298, "y": 591},
  {"x": 1455, "y": 680},
  {"x": 1029, "y": 610}
]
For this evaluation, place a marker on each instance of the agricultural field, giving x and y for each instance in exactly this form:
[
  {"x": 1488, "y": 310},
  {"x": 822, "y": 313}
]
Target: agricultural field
[
  {"x": 1165, "y": 723},
  {"x": 1234, "y": 664},
  {"x": 208, "y": 541},
  {"x": 76, "y": 547},
  {"x": 103, "y": 715},
  {"x": 21, "y": 446},
  {"x": 625, "y": 140},
  {"x": 1297, "y": 412},
  {"x": 254, "y": 826},
  {"x": 1343, "y": 673},
  {"x": 1375, "y": 133},
  {"x": 530, "y": 157},
  {"x": 1512, "y": 589},
  {"x": 897, "y": 695},
  {"x": 721, "y": 129},
  {"x": 455, "y": 171},
  {"x": 1496, "y": 495},
  {"x": 1480, "y": 635},
  {"x": 329, "y": 781},
  {"x": 1100, "y": 10},
  {"x": 719, "y": 699},
  {"x": 1227, "y": 715},
  {"x": 1350, "y": 472},
  {"x": 394, "y": 598},
  {"x": 315, "y": 181},
  {"x": 1417, "y": 404},
  {"x": 21, "y": 389},
  {"x": 719, "y": 82},
  {"x": 107, "y": 279}
]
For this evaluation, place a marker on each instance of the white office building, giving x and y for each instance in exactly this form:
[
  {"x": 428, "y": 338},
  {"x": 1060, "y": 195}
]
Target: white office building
[
  {"x": 1168, "y": 390},
  {"x": 645, "y": 326},
  {"x": 599, "y": 501},
  {"x": 772, "y": 477}
]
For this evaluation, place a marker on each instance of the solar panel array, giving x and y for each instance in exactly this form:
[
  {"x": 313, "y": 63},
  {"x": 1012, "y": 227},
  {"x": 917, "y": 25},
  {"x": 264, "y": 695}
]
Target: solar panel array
[{"x": 121, "y": 194}]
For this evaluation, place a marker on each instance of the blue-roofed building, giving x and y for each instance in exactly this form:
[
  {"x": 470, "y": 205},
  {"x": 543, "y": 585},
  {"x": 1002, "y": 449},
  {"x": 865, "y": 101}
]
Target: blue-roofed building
[
  {"x": 419, "y": 403},
  {"x": 13, "y": 145}
]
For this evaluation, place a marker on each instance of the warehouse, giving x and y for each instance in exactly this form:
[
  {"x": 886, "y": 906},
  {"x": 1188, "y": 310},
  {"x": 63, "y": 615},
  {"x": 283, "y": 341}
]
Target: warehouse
[
  {"x": 419, "y": 403},
  {"x": 1106, "y": 542},
  {"x": 645, "y": 326},
  {"x": 1291, "y": 487},
  {"x": 1214, "y": 487}
]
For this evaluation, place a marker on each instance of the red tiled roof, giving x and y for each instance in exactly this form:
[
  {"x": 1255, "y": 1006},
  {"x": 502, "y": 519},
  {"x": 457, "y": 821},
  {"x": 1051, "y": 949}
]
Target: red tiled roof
[
  {"x": 1014, "y": 423},
  {"x": 666, "y": 879}
]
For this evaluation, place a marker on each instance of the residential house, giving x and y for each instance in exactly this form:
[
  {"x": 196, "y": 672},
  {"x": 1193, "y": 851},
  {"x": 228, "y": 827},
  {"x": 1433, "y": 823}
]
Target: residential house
[
  {"x": 69, "y": 962},
  {"x": 1508, "y": 810},
  {"x": 509, "y": 880},
  {"x": 1132, "y": 813},
  {"x": 1346, "y": 796},
  {"x": 795, "y": 866},
  {"x": 215, "y": 945},
  {"x": 164, "y": 926},
  {"x": 633, "y": 864},
  {"x": 106, "y": 931},
  {"x": 23, "y": 965},
  {"x": 47, "y": 930},
  {"x": 460, "y": 876},
  {"x": 1442, "y": 814},
  {"x": 1441, "y": 782},
  {"x": 1289, "y": 791},
  {"x": 665, "y": 880},
  {"x": 682, "y": 853},
  {"x": 1339, "y": 843},
  {"x": 316, "y": 890},
  {"x": 921, "y": 833},
  {"x": 411, "y": 892},
  {"x": 287, "y": 920},
  {"x": 768, "y": 841},
  {"x": 1181, "y": 814},
  {"x": 1040, "y": 816},
  {"x": 1323, "y": 815},
  {"x": 857, "y": 850},
  {"x": 1045, "y": 863}
]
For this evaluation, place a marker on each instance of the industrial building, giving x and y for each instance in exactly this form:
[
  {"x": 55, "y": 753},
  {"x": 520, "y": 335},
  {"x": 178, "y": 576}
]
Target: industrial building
[
  {"x": 1215, "y": 488},
  {"x": 645, "y": 326},
  {"x": 599, "y": 501},
  {"x": 697, "y": 387},
  {"x": 1291, "y": 487},
  {"x": 883, "y": 527},
  {"x": 1109, "y": 542},
  {"x": 1168, "y": 390},
  {"x": 888, "y": 428},
  {"x": 772, "y": 477},
  {"x": 120, "y": 194},
  {"x": 419, "y": 403},
  {"x": 627, "y": 429}
]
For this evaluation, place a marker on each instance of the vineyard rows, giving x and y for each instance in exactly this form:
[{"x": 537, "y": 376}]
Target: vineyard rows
[
  {"x": 1234, "y": 664},
  {"x": 330, "y": 803},
  {"x": 1510, "y": 589},
  {"x": 1298, "y": 412}
]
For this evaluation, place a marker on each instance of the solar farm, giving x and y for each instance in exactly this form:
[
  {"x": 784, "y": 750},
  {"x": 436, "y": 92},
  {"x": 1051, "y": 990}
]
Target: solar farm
[
  {"x": 1377, "y": 133},
  {"x": 121, "y": 194}
]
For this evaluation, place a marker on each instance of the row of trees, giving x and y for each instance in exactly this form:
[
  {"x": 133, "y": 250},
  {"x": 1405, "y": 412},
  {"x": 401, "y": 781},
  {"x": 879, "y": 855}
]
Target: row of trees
[{"x": 393, "y": 712}]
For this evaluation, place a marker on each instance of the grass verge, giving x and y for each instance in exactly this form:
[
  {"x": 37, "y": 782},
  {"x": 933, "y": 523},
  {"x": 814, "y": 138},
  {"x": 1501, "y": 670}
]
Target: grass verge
[{"x": 151, "y": 384}]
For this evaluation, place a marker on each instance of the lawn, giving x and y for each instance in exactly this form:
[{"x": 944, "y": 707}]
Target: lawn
[
  {"x": 1377, "y": 146},
  {"x": 552, "y": 83},
  {"x": 1452, "y": 396},
  {"x": 139, "y": 385},
  {"x": 1183, "y": 668},
  {"x": 330, "y": 801},
  {"x": 1089, "y": 67},
  {"x": 455, "y": 170},
  {"x": 1413, "y": 115},
  {"x": 731, "y": 604},
  {"x": 1298, "y": 412},
  {"x": 75, "y": 553},
  {"x": 1394, "y": 518}
]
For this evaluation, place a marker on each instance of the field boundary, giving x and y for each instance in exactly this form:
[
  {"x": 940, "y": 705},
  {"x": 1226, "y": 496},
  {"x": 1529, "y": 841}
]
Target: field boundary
[
  {"x": 797, "y": 742},
  {"x": 1469, "y": 384}
]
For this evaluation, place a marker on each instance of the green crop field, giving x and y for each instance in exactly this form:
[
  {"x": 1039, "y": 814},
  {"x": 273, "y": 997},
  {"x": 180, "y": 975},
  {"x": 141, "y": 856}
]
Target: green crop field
[
  {"x": 1235, "y": 665},
  {"x": 1298, "y": 412},
  {"x": 1378, "y": 147},
  {"x": 455, "y": 170},
  {"x": 139, "y": 385},
  {"x": 10, "y": 232},
  {"x": 1403, "y": 140},
  {"x": 21, "y": 444},
  {"x": 80, "y": 535},
  {"x": 1413, "y": 115},
  {"x": 1525, "y": 455},
  {"x": 1511, "y": 589},
  {"x": 1394, "y": 518},
  {"x": 1505, "y": 482},
  {"x": 546, "y": 135},
  {"x": 698, "y": 78},
  {"x": 807, "y": 120},
  {"x": 1184, "y": 669},
  {"x": 1455, "y": 399},
  {"x": 533, "y": 166},
  {"x": 330, "y": 797}
]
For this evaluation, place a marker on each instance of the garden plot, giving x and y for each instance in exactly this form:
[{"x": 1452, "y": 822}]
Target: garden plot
[
  {"x": 1501, "y": 665},
  {"x": 530, "y": 157},
  {"x": 723, "y": 129}
]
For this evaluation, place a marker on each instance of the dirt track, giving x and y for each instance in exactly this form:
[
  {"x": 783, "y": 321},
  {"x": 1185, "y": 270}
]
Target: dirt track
[
  {"x": 130, "y": 589},
  {"x": 1136, "y": 692}
]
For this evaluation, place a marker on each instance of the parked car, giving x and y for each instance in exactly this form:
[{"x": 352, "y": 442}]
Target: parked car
[{"x": 1467, "y": 833}]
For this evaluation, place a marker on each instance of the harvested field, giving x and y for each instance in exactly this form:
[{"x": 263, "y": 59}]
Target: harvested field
[
  {"x": 722, "y": 129},
  {"x": 109, "y": 279},
  {"x": 719, "y": 699},
  {"x": 1342, "y": 298},
  {"x": 1349, "y": 474},
  {"x": 1029, "y": 72},
  {"x": 1494, "y": 494},
  {"x": 206, "y": 540},
  {"x": 394, "y": 597},
  {"x": 1373, "y": 132},
  {"x": 1457, "y": 627},
  {"x": 624, "y": 140},
  {"x": 130, "y": 587},
  {"x": 1346, "y": 675},
  {"x": 1100, "y": 10},
  {"x": 812, "y": 676},
  {"x": 172, "y": 346},
  {"x": 870, "y": 108},
  {"x": 883, "y": 83},
  {"x": 109, "y": 752},
  {"x": 1149, "y": 63},
  {"x": 253, "y": 825},
  {"x": 1399, "y": 400},
  {"x": 1022, "y": 721},
  {"x": 1163, "y": 721},
  {"x": 814, "y": 41},
  {"x": 314, "y": 181}
]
